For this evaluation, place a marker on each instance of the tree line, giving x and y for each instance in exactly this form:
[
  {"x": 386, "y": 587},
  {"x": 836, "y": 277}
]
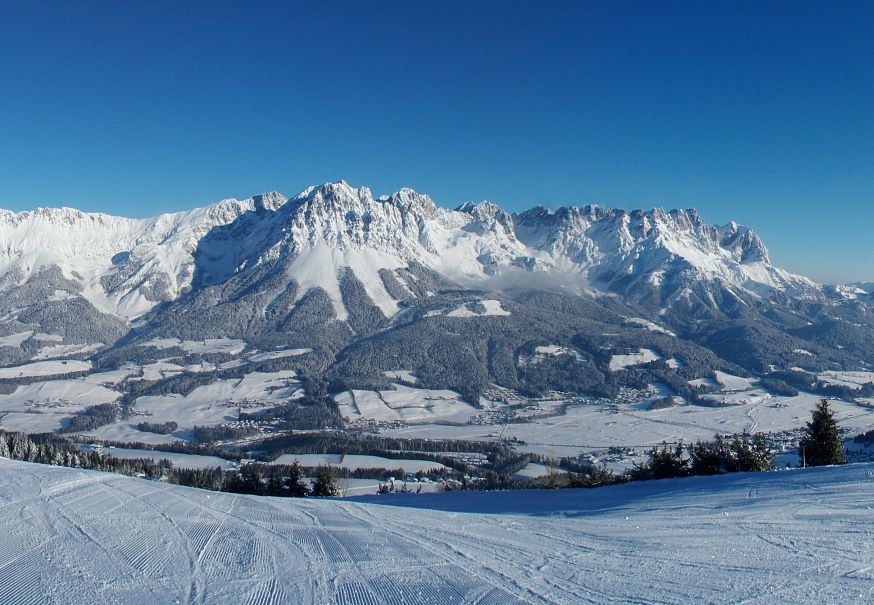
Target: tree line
[{"x": 283, "y": 480}]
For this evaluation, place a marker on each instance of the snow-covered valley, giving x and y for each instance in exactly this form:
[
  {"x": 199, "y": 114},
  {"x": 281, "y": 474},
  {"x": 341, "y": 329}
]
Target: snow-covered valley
[{"x": 804, "y": 536}]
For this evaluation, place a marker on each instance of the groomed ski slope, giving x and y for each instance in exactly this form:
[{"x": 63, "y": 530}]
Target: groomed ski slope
[{"x": 72, "y": 536}]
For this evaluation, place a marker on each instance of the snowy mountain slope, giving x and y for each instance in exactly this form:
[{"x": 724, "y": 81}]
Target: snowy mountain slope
[
  {"x": 333, "y": 266},
  {"x": 125, "y": 266},
  {"x": 121, "y": 266},
  {"x": 657, "y": 253},
  {"x": 783, "y": 537}
]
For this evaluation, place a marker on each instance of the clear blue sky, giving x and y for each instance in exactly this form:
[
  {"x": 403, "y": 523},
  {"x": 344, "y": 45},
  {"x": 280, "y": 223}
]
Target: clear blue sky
[{"x": 753, "y": 111}]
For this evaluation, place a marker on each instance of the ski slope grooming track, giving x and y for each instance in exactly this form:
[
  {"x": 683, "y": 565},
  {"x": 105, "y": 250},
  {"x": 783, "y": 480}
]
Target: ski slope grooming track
[{"x": 74, "y": 536}]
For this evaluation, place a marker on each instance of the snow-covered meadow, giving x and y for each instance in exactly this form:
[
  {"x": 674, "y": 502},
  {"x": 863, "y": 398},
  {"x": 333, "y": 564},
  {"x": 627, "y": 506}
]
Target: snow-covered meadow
[
  {"x": 356, "y": 461},
  {"x": 804, "y": 536},
  {"x": 595, "y": 428},
  {"x": 405, "y": 403}
]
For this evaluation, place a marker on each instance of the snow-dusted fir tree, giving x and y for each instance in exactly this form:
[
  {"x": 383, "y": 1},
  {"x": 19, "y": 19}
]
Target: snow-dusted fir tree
[
  {"x": 822, "y": 445},
  {"x": 325, "y": 482}
]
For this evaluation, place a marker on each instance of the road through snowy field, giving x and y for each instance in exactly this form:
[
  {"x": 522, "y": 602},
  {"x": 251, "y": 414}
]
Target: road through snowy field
[{"x": 72, "y": 536}]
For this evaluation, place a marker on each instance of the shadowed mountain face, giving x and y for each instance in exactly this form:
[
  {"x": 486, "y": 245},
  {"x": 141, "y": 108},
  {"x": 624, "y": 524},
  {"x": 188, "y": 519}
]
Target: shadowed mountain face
[{"x": 462, "y": 297}]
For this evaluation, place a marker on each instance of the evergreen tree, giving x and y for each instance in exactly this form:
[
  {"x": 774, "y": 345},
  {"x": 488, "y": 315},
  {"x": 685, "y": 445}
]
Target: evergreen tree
[
  {"x": 822, "y": 445},
  {"x": 752, "y": 454},
  {"x": 708, "y": 458},
  {"x": 324, "y": 483},
  {"x": 295, "y": 485},
  {"x": 662, "y": 464}
]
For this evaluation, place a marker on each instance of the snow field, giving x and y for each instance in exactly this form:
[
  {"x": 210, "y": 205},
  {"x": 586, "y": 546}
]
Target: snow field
[
  {"x": 44, "y": 406},
  {"x": 220, "y": 401},
  {"x": 177, "y": 459},
  {"x": 849, "y": 379},
  {"x": 356, "y": 461},
  {"x": 256, "y": 357},
  {"x": 542, "y": 352},
  {"x": 32, "y": 423},
  {"x": 405, "y": 403},
  {"x": 15, "y": 340},
  {"x": 492, "y": 307},
  {"x": 592, "y": 428},
  {"x": 620, "y": 362},
  {"x": 67, "y": 350},
  {"x": 318, "y": 266},
  {"x": 46, "y": 368},
  {"x": 230, "y": 346},
  {"x": 160, "y": 370},
  {"x": 734, "y": 383},
  {"x": 402, "y": 375},
  {"x": 127, "y": 431},
  {"x": 783, "y": 537},
  {"x": 533, "y": 471},
  {"x": 207, "y": 405},
  {"x": 751, "y": 397},
  {"x": 653, "y": 327}
]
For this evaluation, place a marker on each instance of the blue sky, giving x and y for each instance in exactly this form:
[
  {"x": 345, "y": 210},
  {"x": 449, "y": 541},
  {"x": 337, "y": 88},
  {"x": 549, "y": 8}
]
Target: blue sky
[{"x": 753, "y": 111}]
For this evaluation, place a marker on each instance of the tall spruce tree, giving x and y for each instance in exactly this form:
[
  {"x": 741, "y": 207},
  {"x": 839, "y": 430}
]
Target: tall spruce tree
[
  {"x": 822, "y": 445},
  {"x": 325, "y": 483}
]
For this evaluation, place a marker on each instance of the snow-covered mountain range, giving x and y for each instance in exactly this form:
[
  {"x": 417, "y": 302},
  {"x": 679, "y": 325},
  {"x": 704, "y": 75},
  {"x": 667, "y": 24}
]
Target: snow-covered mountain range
[
  {"x": 351, "y": 277},
  {"x": 127, "y": 266}
]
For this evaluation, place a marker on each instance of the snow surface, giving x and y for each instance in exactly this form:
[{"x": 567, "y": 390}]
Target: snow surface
[
  {"x": 849, "y": 379},
  {"x": 44, "y": 406},
  {"x": 730, "y": 382},
  {"x": 541, "y": 353},
  {"x": 594, "y": 428},
  {"x": 492, "y": 307},
  {"x": 267, "y": 355},
  {"x": 405, "y": 403},
  {"x": 319, "y": 265},
  {"x": 355, "y": 461},
  {"x": 127, "y": 431},
  {"x": 620, "y": 362},
  {"x": 67, "y": 350},
  {"x": 653, "y": 327},
  {"x": 230, "y": 346},
  {"x": 220, "y": 401},
  {"x": 15, "y": 340},
  {"x": 785, "y": 537},
  {"x": 160, "y": 370},
  {"x": 176, "y": 459},
  {"x": 46, "y": 368},
  {"x": 402, "y": 375}
]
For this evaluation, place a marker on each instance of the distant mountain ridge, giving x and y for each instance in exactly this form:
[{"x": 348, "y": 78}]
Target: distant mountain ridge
[
  {"x": 126, "y": 266},
  {"x": 352, "y": 277}
]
